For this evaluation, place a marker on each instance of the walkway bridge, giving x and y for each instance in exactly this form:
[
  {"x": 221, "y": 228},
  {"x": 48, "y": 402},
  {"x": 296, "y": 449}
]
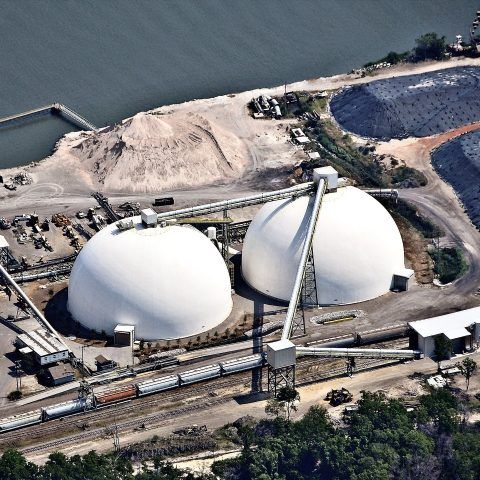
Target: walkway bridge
[{"x": 52, "y": 109}]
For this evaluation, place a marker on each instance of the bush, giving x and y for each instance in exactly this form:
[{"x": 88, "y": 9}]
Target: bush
[
  {"x": 423, "y": 224},
  {"x": 449, "y": 264},
  {"x": 15, "y": 395}
]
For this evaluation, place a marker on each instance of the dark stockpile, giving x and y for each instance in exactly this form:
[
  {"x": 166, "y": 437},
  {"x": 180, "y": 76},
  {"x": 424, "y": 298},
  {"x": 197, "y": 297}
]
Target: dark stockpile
[
  {"x": 413, "y": 105},
  {"x": 458, "y": 162}
]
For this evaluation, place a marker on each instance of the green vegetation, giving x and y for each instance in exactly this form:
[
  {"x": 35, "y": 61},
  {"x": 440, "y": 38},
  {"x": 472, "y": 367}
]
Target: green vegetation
[
  {"x": 443, "y": 348},
  {"x": 391, "y": 57},
  {"x": 467, "y": 369},
  {"x": 284, "y": 403},
  {"x": 424, "y": 225},
  {"x": 15, "y": 395},
  {"x": 430, "y": 47},
  {"x": 338, "y": 151},
  {"x": 449, "y": 262},
  {"x": 407, "y": 177},
  {"x": 379, "y": 441}
]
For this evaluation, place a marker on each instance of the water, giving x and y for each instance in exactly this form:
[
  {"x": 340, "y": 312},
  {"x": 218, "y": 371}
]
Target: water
[{"x": 110, "y": 59}]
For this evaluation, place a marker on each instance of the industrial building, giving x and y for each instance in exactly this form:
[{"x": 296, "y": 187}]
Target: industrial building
[
  {"x": 45, "y": 347},
  {"x": 357, "y": 248},
  {"x": 461, "y": 328},
  {"x": 60, "y": 374},
  {"x": 166, "y": 282}
]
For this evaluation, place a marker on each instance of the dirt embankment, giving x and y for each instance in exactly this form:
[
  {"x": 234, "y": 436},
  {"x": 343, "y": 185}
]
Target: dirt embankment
[{"x": 414, "y": 105}]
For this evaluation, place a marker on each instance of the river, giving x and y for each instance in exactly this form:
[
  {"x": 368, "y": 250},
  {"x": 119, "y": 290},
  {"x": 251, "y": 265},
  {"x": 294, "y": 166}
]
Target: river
[{"x": 110, "y": 59}]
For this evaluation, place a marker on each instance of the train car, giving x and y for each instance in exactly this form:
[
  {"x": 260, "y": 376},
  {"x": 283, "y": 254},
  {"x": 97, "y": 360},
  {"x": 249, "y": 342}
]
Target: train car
[
  {"x": 21, "y": 420},
  {"x": 157, "y": 385},
  {"x": 66, "y": 408},
  {"x": 116, "y": 394},
  {"x": 242, "y": 364},
  {"x": 200, "y": 374}
]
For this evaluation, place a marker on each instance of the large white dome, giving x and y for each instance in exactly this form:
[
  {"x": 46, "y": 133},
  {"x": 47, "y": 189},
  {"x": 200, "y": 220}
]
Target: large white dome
[
  {"x": 168, "y": 282},
  {"x": 356, "y": 247}
]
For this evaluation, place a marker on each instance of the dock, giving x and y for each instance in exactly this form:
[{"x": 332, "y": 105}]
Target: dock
[{"x": 52, "y": 109}]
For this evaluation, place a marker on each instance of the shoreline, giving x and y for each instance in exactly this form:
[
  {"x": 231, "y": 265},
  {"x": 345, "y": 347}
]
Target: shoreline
[
  {"x": 309, "y": 85},
  {"x": 258, "y": 147}
]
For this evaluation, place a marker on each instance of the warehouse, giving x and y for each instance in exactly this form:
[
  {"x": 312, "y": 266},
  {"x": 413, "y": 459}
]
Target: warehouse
[
  {"x": 462, "y": 329},
  {"x": 43, "y": 345}
]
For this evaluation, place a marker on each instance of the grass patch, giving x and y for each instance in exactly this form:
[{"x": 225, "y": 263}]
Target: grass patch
[
  {"x": 407, "y": 177},
  {"x": 337, "y": 150},
  {"x": 450, "y": 263}
]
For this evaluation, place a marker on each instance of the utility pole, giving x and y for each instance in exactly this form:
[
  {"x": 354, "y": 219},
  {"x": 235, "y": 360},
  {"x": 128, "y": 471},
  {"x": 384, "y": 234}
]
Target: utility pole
[
  {"x": 83, "y": 363},
  {"x": 18, "y": 366},
  {"x": 116, "y": 439}
]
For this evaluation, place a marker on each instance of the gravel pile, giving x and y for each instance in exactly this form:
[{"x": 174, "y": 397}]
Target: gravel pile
[
  {"x": 413, "y": 105},
  {"x": 458, "y": 162}
]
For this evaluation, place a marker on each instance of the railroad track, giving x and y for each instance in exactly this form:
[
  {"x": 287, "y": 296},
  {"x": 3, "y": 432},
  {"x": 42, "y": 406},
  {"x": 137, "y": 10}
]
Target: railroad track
[
  {"x": 135, "y": 404},
  {"x": 330, "y": 368}
]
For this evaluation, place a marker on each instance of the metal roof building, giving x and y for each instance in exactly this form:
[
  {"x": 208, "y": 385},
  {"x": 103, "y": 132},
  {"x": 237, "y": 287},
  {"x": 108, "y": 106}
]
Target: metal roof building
[
  {"x": 45, "y": 346},
  {"x": 461, "y": 328}
]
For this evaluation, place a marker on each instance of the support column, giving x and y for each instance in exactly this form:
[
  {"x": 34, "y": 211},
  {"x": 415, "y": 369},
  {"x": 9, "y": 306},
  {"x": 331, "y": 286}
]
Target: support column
[
  {"x": 280, "y": 377},
  {"x": 308, "y": 296}
]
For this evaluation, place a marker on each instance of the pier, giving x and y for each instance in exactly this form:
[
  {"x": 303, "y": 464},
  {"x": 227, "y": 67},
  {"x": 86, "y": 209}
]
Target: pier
[{"x": 53, "y": 109}]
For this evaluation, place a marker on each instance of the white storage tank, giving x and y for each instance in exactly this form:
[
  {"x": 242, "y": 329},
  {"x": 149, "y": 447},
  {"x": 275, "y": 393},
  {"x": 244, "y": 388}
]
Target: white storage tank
[{"x": 357, "y": 247}]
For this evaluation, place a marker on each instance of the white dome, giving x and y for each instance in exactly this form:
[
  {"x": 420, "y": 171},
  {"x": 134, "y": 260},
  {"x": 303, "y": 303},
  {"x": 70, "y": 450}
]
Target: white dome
[
  {"x": 356, "y": 247},
  {"x": 168, "y": 282}
]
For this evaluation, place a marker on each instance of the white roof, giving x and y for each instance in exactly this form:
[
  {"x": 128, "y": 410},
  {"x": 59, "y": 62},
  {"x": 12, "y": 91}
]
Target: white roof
[
  {"x": 124, "y": 329},
  {"x": 356, "y": 247},
  {"x": 404, "y": 272},
  {"x": 3, "y": 242},
  {"x": 167, "y": 282},
  {"x": 281, "y": 345},
  {"x": 302, "y": 140},
  {"x": 313, "y": 155},
  {"x": 42, "y": 342},
  {"x": 447, "y": 323},
  {"x": 457, "y": 333}
]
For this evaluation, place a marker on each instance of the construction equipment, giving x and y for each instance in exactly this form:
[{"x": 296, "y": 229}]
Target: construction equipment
[
  {"x": 337, "y": 397},
  {"x": 60, "y": 220}
]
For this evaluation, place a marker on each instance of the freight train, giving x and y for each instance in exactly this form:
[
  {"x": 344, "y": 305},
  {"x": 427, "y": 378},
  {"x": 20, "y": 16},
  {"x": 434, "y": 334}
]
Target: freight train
[{"x": 135, "y": 390}]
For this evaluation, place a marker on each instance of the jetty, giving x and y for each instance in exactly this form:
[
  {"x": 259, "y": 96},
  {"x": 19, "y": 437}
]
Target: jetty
[{"x": 52, "y": 109}]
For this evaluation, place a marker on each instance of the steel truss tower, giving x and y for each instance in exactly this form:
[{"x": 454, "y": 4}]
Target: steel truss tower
[
  {"x": 280, "y": 377},
  {"x": 308, "y": 296}
]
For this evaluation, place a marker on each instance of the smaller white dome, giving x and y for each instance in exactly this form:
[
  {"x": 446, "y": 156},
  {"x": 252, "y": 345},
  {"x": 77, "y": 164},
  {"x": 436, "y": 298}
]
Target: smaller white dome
[{"x": 356, "y": 247}]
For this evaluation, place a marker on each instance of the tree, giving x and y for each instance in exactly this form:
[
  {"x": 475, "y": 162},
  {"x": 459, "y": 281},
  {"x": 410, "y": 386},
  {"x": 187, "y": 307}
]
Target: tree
[
  {"x": 284, "y": 403},
  {"x": 467, "y": 369},
  {"x": 430, "y": 46},
  {"x": 14, "y": 466},
  {"x": 443, "y": 348}
]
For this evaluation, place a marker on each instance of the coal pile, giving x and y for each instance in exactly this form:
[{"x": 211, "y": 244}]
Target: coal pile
[
  {"x": 414, "y": 105},
  {"x": 458, "y": 162}
]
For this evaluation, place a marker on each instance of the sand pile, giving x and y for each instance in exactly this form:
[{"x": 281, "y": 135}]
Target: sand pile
[
  {"x": 458, "y": 162},
  {"x": 412, "y": 105},
  {"x": 150, "y": 153}
]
